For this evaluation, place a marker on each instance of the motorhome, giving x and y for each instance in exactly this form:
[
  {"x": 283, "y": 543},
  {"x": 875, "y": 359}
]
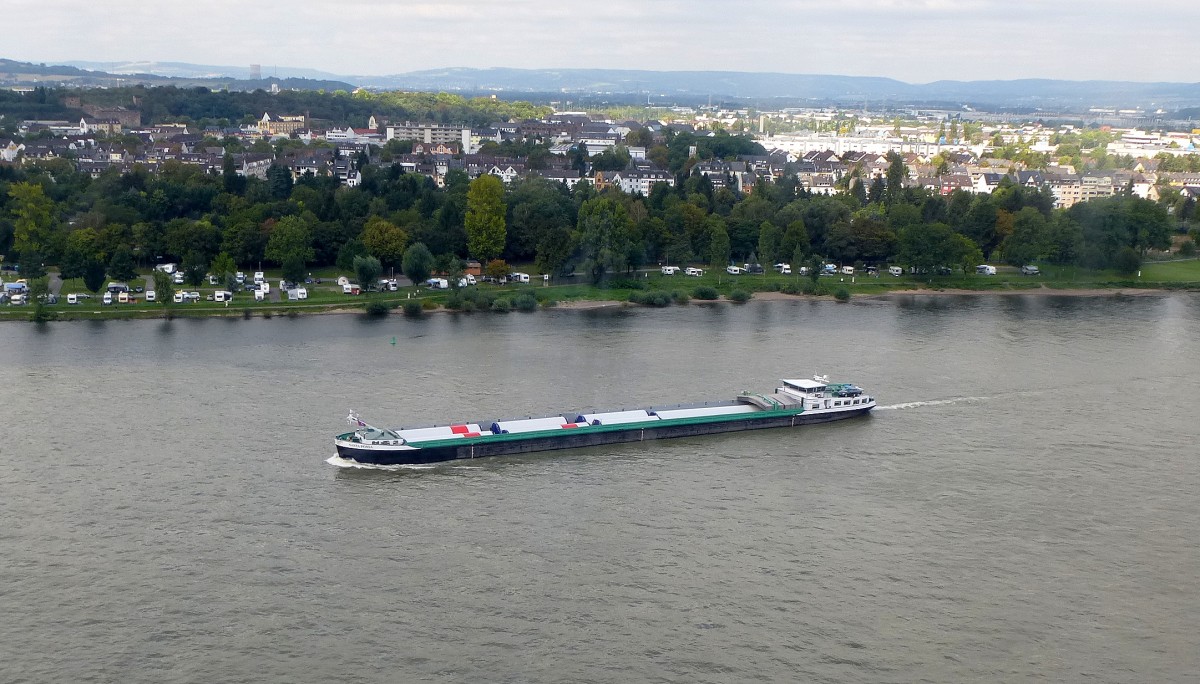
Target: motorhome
[
  {"x": 518, "y": 278},
  {"x": 984, "y": 269},
  {"x": 896, "y": 271},
  {"x": 696, "y": 272},
  {"x": 670, "y": 270}
]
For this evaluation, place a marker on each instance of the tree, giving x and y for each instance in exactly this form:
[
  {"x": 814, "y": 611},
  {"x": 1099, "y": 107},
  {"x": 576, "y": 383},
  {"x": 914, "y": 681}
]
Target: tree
[
  {"x": 794, "y": 241},
  {"x": 164, "y": 289},
  {"x": 94, "y": 273},
  {"x": 194, "y": 268},
  {"x": 384, "y": 240},
  {"x": 81, "y": 246},
  {"x": 350, "y": 249},
  {"x": 718, "y": 247},
  {"x": 896, "y": 172},
  {"x": 770, "y": 243},
  {"x": 484, "y": 222},
  {"x": 367, "y": 269},
  {"x": 121, "y": 266},
  {"x": 292, "y": 235},
  {"x": 417, "y": 263},
  {"x": 496, "y": 268},
  {"x": 33, "y": 217},
  {"x": 292, "y": 268},
  {"x": 223, "y": 266},
  {"x": 603, "y": 235},
  {"x": 39, "y": 291},
  {"x": 1029, "y": 240}
]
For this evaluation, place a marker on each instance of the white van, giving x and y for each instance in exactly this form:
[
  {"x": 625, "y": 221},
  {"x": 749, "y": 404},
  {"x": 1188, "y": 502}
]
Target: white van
[
  {"x": 670, "y": 270},
  {"x": 518, "y": 278},
  {"x": 847, "y": 270},
  {"x": 222, "y": 296},
  {"x": 177, "y": 278},
  {"x": 896, "y": 271},
  {"x": 697, "y": 272},
  {"x": 984, "y": 269},
  {"x": 178, "y": 297},
  {"x": 259, "y": 277},
  {"x": 19, "y": 299},
  {"x": 734, "y": 270},
  {"x": 783, "y": 269},
  {"x": 259, "y": 295},
  {"x": 151, "y": 296},
  {"x": 107, "y": 299}
]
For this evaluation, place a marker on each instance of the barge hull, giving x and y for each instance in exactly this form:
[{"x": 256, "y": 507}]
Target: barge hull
[{"x": 584, "y": 437}]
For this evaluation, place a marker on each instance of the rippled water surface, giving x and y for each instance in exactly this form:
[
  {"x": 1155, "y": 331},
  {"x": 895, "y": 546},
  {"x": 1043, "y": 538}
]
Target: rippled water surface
[{"x": 1023, "y": 506}]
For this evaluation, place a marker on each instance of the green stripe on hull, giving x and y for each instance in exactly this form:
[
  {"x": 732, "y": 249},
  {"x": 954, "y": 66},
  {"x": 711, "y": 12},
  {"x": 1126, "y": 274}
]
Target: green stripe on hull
[{"x": 622, "y": 427}]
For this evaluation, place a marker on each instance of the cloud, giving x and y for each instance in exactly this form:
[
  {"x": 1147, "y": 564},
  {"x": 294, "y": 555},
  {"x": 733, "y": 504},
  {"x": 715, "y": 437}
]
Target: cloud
[{"x": 914, "y": 40}]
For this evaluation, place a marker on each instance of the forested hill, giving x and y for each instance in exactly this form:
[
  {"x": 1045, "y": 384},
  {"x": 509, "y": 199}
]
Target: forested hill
[{"x": 203, "y": 106}]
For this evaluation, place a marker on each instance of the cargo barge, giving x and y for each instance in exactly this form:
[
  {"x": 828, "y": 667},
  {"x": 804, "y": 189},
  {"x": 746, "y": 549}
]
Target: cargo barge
[{"x": 793, "y": 403}]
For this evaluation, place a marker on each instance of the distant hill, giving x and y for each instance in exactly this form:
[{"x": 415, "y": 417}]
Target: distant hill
[
  {"x": 1021, "y": 94},
  {"x": 81, "y": 74}
]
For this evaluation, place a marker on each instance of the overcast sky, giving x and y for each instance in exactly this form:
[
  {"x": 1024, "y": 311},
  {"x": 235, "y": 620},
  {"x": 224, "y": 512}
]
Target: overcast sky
[{"x": 912, "y": 40}]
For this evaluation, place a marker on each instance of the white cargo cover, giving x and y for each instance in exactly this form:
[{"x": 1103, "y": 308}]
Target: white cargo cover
[
  {"x": 439, "y": 432},
  {"x": 704, "y": 411},
  {"x": 617, "y": 417}
]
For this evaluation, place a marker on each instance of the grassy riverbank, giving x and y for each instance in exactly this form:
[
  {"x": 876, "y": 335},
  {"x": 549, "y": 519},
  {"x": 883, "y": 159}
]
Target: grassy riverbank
[{"x": 327, "y": 297}]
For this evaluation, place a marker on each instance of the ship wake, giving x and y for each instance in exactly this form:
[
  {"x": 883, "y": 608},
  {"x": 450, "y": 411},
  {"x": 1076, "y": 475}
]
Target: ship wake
[
  {"x": 340, "y": 462},
  {"x": 933, "y": 402}
]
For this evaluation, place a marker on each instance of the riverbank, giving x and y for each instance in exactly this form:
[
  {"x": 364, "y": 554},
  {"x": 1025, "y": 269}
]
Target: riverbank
[
  {"x": 665, "y": 290},
  {"x": 288, "y": 310}
]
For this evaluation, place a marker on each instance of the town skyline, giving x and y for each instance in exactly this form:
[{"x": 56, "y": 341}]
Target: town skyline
[{"x": 915, "y": 41}]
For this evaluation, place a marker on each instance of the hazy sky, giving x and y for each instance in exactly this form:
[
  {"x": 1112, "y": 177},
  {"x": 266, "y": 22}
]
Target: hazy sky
[{"x": 911, "y": 40}]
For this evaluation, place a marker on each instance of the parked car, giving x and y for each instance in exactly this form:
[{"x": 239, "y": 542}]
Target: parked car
[
  {"x": 1030, "y": 270},
  {"x": 697, "y": 272}
]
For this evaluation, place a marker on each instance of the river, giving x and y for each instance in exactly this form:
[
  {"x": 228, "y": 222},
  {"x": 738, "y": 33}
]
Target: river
[{"x": 1023, "y": 505}]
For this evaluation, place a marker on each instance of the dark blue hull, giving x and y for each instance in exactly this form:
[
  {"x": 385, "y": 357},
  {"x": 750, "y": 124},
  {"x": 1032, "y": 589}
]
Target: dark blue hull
[{"x": 583, "y": 438}]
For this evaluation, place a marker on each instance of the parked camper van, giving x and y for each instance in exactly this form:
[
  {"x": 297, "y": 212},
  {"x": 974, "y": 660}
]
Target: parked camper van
[
  {"x": 518, "y": 278},
  {"x": 222, "y": 296},
  {"x": 697, "y": 272},
  {"x": 847, "y": 270},
  {"x": 151, "y": 296},
  {"x": 670, "y": 270},
  {"x": 734, "y": 270},
  {"x": 896, "y": 271},
  {"x": 984, "y": 269}
]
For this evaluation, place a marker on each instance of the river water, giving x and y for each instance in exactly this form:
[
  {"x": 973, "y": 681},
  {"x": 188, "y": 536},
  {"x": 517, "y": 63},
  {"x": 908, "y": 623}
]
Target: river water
[{"x": 1024, "y": 504}]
